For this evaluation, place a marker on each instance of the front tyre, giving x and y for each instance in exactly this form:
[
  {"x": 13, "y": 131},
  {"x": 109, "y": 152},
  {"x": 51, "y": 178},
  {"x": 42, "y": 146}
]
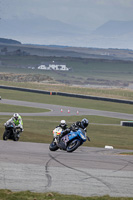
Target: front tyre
[
  {"x": 6, "y": 135},
  {"x": 53, "y": 146},
  {"x": 73, "y": 145}
]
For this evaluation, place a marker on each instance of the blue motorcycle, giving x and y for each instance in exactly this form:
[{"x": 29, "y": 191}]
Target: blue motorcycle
[{"x": 69, "y": 142}]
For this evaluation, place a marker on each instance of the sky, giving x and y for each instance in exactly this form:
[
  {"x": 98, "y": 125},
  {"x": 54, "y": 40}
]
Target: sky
[{"x": 86, "y": 14}]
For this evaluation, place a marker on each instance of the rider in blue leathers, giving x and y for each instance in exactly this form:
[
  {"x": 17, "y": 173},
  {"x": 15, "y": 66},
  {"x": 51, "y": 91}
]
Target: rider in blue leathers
[{"x": 75, "y": 126}]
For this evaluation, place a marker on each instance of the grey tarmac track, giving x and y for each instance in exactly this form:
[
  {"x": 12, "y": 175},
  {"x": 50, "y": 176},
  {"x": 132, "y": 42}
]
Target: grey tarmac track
[{"x": 86, "y": 172}]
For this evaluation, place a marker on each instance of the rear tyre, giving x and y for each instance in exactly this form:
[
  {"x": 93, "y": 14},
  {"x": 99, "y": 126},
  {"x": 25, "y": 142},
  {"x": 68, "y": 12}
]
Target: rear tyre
[
  {"x": 73, "y": 145},
  {"x": 53, "y": 146},
  {"x": 16, "y": 138}
]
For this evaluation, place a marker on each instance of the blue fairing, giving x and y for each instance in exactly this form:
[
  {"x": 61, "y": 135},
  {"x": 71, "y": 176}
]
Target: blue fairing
[{"x": 78, "y": 134}]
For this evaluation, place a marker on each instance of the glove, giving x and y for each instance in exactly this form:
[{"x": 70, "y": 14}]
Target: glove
[
  {"x": 65, "y": 132},
  {"x": 74, "y": 128}
]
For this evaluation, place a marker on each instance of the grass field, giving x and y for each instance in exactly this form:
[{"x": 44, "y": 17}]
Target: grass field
[
  {"x": 66, "y": 101},
  {"x": 102, "y": 130},
  {"x": 119, "y": 93},
  {"x": 112, "y": 76},
  {"x": 83, "y": 71},
  {"x": 27, "y": 195}
]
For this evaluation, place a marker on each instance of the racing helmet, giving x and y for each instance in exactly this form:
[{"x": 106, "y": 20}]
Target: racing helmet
[
  {"x": 62, "y": 123},
  {"x": 16, "y": 115},
  {"x": 84, "y": 122}
]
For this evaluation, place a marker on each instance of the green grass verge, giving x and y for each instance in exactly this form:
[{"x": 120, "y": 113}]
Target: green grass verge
[
  {"x": 106, "y": 131},
  {"x": 27, "y": 195},
  {"x": 127, "y": 153},
  {"x": 102, "y": 130},
  {"x": 66, "y": 101},
  {"x": 118, "y": 93}
]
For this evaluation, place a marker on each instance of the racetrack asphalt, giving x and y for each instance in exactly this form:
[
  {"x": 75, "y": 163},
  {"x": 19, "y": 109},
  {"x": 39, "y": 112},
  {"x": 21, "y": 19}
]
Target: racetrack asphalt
[
  {"x": 55, "y": 110},
  {"x": 87, "y": 171}
]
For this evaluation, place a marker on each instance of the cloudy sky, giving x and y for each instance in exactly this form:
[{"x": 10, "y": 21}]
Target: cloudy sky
[{"x": 86, "y": 14}]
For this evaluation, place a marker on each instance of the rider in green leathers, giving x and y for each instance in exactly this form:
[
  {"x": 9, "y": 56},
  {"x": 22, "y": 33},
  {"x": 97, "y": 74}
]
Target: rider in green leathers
[{"x": 17, "y": 119}]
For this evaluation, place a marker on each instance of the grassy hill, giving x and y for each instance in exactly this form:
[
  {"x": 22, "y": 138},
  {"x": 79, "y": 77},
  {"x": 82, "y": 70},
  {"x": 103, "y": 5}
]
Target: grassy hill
[
  {"x": 83, "y": 71},
  {"x": 64, "y": 51},
  {"x": 89, "y": 66},
  {"x": 9, "y": 41}
]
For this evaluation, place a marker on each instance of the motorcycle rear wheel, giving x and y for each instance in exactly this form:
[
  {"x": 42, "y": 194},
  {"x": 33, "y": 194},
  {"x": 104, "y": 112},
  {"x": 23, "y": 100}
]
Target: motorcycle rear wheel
[
  {"x": 73, "y": 145},
  {"x": 53, "y": 146},
  {"x": 16, "y": 138}
]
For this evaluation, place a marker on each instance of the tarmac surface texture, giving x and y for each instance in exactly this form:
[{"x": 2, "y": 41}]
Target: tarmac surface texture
[{"x": 87, "y": 171}]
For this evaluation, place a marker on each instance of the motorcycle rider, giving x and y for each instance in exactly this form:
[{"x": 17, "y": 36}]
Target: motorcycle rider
[
  {"x": 62, "y": 124},
  {"x": 17, "y": 119},
  {"x": 83, "y": 124},
  {"x": 75, "y": 126}
]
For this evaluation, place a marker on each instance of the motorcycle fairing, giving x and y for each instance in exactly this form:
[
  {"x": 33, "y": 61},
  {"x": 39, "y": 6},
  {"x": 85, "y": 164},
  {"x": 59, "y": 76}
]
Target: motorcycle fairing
[
  {"x": 79, "y": 133},
  {"x": 65, "y": 139}
]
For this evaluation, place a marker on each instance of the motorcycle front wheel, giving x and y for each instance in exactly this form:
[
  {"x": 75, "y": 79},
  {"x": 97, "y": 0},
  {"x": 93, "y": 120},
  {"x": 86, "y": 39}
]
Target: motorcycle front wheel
[
  {"x": 6, "y": 135},
  {"x": 73, "y": 145},
  {"x": 53, "y": 146}
]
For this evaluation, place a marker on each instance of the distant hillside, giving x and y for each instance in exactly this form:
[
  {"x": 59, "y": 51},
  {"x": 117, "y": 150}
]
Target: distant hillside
[
  {"x": 44, "y": 31},
  {"x": 9, "y": 41},
  {"x": 36, "y": 27},
  {"x": 115, "y": 28},
  {"x": 63, "y": 51}
]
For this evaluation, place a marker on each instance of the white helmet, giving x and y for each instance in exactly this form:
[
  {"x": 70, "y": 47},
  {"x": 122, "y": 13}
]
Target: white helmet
[
  {"x": 16, "y": 115},
  {"x": 62, "y": 123}
]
